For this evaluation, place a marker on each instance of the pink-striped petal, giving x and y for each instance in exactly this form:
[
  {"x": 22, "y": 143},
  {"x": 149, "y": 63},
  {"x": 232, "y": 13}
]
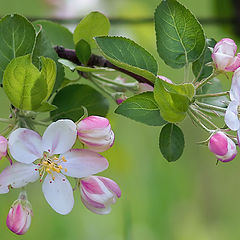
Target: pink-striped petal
[
  {"x": 17, "y": 175},
  {"x": 25, "y": 145},
  {"x": 82, "y": 163},
  {"x": 58, "y": 193},
  {"x": 59, "y": 137}
]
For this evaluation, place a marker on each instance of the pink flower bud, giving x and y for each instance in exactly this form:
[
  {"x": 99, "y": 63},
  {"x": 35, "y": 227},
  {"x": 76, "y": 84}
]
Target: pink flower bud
[
  {"x": 222, "y": 146},
  {"x": 96, "y": 133},
  {"x": 19, "y": 216},
  {"x": 164, "y": 79},
  {"x": 99, "y": 193},
  {"x": 3, "y": 147},
  {"x": 224, "y": 55},
  {"x": 145, "y": 87}
]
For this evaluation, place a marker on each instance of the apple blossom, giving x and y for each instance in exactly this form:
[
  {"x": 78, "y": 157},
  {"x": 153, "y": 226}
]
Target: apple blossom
[
  {"x": 222, "y": 146},
  {"x": 232, "y": 112},
  {"x": 19, "y": 216},
  {"x": 95, "y": 132},
  {"x": 99, "y": 193},
  {"x": 3, "y": 147},
  {"x": 54, "y": 158},
  {"x": 224, "y": 55}
]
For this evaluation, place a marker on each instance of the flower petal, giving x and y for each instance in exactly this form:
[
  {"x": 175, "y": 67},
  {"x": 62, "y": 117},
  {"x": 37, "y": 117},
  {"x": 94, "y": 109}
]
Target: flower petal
[
  {"x": 231, "y": 116},
  {"x": 82, "y": 163},
  {"x": 58, "y": 193},
  {"x": 235, "y": 87},
  {"x": 59, "y": 137},
  {"x": 17, "y": 175},
  {"x": 25, "y": 145},
  {"x": 234, "y": 65}
]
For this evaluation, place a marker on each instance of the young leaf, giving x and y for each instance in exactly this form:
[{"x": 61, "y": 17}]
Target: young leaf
[
  {"x": 141, "y": 108},
  {"x": 43, "y": 47},
  {"x": 199, "y": 68},
  {"x": 56, "y": 33},
  {"x": 23, "y": 83},
  {"x": 72, "y": 98},
  {"x": 93, "y": 25},
  {"x": 128, "y": 55},
  {"x": 17, "y": 38},
  {"x": 83, "y": 51},
  {"x": 173, "y": 100},
  {"x": 180, "y": 38},
  {"x": 171, "y": 142}
]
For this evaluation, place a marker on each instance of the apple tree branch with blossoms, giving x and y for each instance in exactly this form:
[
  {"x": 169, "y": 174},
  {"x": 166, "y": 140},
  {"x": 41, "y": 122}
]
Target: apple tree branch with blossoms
[{"x": 36, "y": 59}]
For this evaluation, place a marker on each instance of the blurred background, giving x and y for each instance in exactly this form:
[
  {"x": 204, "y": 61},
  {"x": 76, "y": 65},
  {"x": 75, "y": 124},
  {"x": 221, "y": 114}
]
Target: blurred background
[{"x": 189, "y": 199}]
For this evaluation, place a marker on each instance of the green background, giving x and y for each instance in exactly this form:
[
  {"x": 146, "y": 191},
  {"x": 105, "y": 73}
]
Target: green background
[{"x": 191, "y": 199}]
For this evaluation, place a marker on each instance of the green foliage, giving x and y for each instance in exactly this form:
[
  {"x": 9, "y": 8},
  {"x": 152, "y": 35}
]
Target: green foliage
[
  {"x": 173, "y": 100},
  {"x": 171, "y": 142},
  {"x": 56, "y": 33},
  {"x": 43, "y": 47},
  {"x": 17, "y": 38},
  {"x": 128, "y": 55},
  {"x": 72, "y": 98},
  {"x": 141, "y": 108},
  {"x": 180, "y": 38},
  {"x": 93, "y": 25},
  {"x": 83, "y": 51},
  {"x": 199, "y": 68},
  {"x": 25, "y": 86}
]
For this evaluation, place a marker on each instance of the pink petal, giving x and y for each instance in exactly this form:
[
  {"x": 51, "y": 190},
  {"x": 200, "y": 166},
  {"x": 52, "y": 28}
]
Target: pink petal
[
  {"x": 82, "y": 163},
  {"x": 234, "y": 64},
  {"x": 25, "y": 145},
  {"x": 59, "y": 137},
  {"x": 58, "y": 193},
  {"x": 111, "y": 185},
  {"x": 17, "y": 175}
]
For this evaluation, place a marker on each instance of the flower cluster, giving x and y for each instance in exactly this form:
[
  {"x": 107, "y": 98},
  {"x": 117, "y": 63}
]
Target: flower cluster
[
  {"x": 51, "y": 158},
  {"x": 225, "y": 60}
]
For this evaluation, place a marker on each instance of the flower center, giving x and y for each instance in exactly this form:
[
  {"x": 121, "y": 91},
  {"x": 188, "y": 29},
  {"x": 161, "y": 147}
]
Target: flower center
[{"x": 50, "y": 165}]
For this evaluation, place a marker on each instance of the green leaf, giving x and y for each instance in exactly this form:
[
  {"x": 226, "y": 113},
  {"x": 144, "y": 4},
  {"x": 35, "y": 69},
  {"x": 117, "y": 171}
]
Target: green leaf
[
  {"x": 141, "y": 108},
  {"x": 70, "y": 100},
  {"x": 83, "y": 51},
  {"x": 171, "y": 142},
  {"x": 24, "y": 85},
  {"x": 43, "y": 47},
  {"x": 46, "y": 107},
  {"x": 199, "y": 68},
  {"x": 173, "y": 100},
  {"x": 180, "y": 37},
  {"x": 17, "y": 38},
  {"x": 72, "y": 66},
  {"x": 93, "y": 25},
  {"x": 56, "y": 33},
  {"x": 48, "y": 73},
  {"x": 128, "y": 55}
]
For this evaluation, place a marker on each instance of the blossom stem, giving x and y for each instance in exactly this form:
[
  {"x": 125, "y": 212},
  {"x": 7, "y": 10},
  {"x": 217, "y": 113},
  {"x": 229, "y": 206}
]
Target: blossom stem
[
  {"x": 40, "y": 123},
  {"x": 198, "y": 121},
  {"x": 211, "y": 107},
  {"x": 130, "y": 86},
  {"x": 3, "y": 120},
  {"x": 201, "y": 116},
  {"x": 212, "y": 95},
  {"x": 205, "y": 80},
  {"x": 7, "y": 130}
]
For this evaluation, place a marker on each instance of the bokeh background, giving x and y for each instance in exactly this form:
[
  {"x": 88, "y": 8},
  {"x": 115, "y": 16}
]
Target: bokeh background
[{"x": 189, "y": 199}]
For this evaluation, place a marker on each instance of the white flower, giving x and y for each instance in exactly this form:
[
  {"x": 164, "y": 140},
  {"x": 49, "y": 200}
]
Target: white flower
[
  {"x": 54, "y": 158},
  {"x": 233, "y": 111}
]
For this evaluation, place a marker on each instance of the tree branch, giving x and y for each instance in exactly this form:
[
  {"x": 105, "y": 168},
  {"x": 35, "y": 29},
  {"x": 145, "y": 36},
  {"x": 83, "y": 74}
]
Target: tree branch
[{"x": 98, "y": 61}]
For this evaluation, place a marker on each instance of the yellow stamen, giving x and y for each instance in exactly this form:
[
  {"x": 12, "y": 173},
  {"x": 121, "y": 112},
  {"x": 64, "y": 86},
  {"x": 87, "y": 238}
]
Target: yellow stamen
[{"x": 65, "y": 170}]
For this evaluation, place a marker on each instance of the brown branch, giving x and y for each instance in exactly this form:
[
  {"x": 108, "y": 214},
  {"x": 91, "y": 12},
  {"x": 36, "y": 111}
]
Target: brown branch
[{"x": 98, "y": 61}]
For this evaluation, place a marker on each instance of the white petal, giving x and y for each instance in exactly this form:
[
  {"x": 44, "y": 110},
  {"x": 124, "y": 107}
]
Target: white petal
[
  {"x": 231, "y": 116},
  {"x": 25, "y": 145},
  {"x": 17, "y": 175},
  {"x": 58, "y": 193},
  {"x": 59, "y": 137},
  {"x": 82, "y": 163},
  {"x": 235, "y": 87}
]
